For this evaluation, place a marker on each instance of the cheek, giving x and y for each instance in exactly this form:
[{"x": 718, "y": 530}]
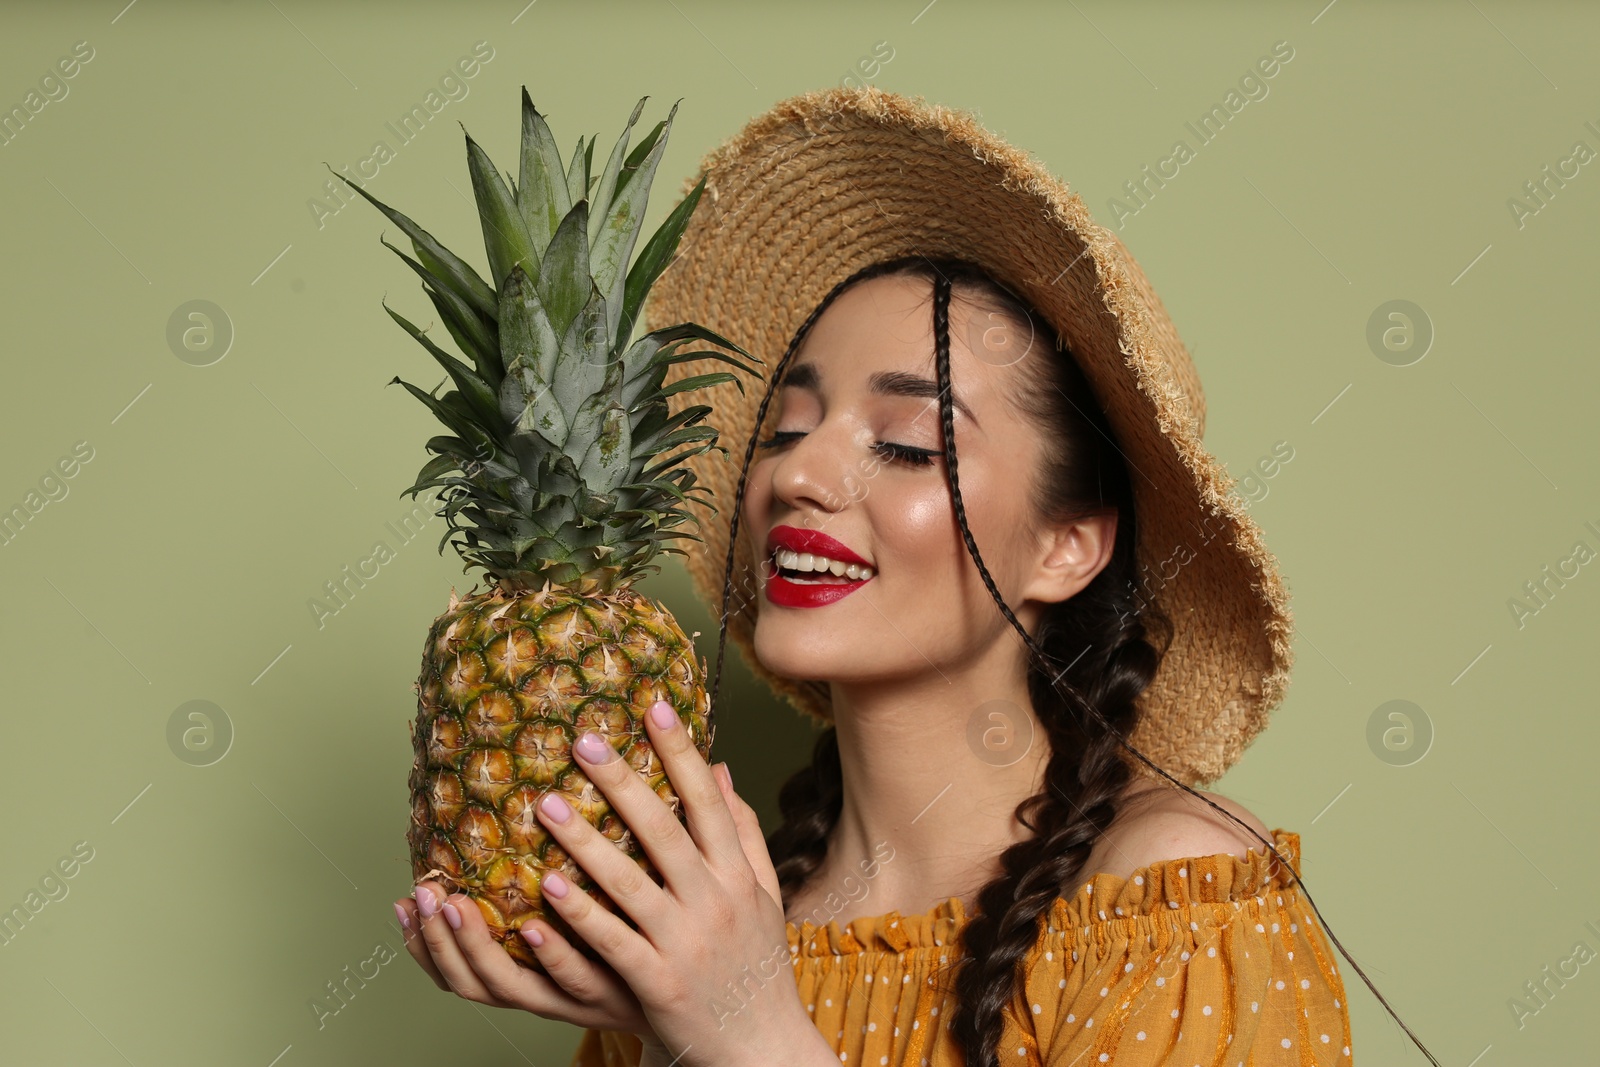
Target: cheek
[
  {"x": 926, "y": 530},
  {"x": 921, "y": 523},
  {"x": 915, "y": 534}
]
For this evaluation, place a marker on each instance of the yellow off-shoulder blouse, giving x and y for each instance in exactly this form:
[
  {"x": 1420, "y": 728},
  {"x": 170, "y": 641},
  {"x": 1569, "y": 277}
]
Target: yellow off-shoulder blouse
[{"x": 1210, "y": 960}]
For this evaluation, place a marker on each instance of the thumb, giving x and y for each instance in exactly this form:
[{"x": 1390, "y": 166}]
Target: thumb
[{"x": 751, "y": 839}]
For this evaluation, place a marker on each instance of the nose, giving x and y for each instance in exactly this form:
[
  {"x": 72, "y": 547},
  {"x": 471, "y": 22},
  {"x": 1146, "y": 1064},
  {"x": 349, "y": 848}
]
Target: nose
[{"x": 814, "y": 473}]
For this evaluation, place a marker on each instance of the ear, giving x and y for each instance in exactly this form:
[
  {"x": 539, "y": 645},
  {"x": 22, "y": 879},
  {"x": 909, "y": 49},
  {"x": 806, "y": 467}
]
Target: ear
[{"x": 1070, "y": 555}]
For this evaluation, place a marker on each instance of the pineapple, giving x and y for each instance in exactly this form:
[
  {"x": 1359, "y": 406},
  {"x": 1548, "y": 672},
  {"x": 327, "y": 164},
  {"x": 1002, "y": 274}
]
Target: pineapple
[{"x": 563, "y": 473}]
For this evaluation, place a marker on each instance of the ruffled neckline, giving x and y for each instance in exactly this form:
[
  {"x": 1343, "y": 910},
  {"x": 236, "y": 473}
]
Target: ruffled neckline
[{"x": 1150, "y": 890}]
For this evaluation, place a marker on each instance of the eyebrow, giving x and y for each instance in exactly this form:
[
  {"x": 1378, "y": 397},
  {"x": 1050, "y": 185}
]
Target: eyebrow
[{"x": 882, "y": 383}]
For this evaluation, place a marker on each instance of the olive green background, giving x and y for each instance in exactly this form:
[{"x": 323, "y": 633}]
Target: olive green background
[{"x": 181, "y": 166}]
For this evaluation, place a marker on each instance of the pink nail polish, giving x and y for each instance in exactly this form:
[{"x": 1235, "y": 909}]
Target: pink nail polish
[
  {"x": 532, "y": 936},
  {"x": 451, "y": 915},
  {"x": 405, "y": 920},
  {"x": 425, "y": 902},
  {"x": 592, "y": 747},
  {"x": 555, "y": 809},
  {"x": 662, "y": 713},
  {"x": 555, "y": 885}
]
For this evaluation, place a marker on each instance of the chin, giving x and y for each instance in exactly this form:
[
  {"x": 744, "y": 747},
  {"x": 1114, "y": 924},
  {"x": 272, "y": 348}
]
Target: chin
[
  {"x": 790, "y": 651},
  {"x": 802, "y": 650}
]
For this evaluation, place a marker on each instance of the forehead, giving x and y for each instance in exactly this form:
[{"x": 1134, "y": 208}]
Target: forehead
[
  {"x": 895, "y": 311},
  {"x": 878, "y": 336},
  {"x": 894, "y": 307}
]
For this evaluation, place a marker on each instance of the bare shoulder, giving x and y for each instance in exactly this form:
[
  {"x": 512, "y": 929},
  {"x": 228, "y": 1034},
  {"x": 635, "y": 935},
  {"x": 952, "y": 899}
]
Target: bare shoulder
[{"x": 1162, "y": 822}]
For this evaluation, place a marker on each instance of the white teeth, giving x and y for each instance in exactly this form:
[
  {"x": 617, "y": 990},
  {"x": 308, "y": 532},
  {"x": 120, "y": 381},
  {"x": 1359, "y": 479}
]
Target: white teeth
[{"x": 808, "y": 561}]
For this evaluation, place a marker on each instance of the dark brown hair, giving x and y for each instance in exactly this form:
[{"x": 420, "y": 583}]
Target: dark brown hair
[{"x": 1093, "y": 654}]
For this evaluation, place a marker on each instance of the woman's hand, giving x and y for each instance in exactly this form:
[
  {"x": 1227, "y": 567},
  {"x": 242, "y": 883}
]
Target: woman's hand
[
  {"x": 449, "y": 938},
  {"x": 707, "y": 975}
]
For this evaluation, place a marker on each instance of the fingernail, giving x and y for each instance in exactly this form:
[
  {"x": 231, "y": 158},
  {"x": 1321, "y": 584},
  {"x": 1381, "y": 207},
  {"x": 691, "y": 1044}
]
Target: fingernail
[
  {"x": 554, "y": 808},
  {"x": 532, "y": 936},
  {"x": 555, "y": 885},
  {"x": 400, "y": 913},
  {"x": 727, "y": 776},
  {"x": 592, "y": 747},
  {"x": 451, "y": 915},
  {"x": 425, "y": 902},
  {"x": 663, "y": 714}
]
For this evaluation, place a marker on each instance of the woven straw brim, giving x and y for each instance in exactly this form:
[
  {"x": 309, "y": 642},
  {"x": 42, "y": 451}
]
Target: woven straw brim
[{"x": 833, "y": 180}]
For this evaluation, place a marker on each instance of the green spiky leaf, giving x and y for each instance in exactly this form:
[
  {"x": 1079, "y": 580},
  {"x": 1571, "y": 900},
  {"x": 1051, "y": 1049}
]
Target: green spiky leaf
[
  {"x": 653, "y": 260},
  {"x": 564, "y": 461},
  {"x": 698, "y": 381},
  {"x": 606, "y": 188},
  {"x": 444, "y": 264},
  {"x": 466, "y": 325},
  {"x": 505, "y": 235},
  {"x": 529, "y": 348},
  {"x": 473, "y": 388},
  {"x": 564, "y": 280},
  {"x": 582, "y": 370},
  {"x": 542, "y": 196},
  {"x": 578, "y": 171},
  {"x": 618, "y": 230}
]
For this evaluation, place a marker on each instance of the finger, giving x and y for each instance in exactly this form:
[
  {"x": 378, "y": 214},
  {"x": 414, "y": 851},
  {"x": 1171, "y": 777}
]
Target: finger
[
  {"x": 506, "y": 980},
  {"x": 440, "y": 936},
  {"x": 614, "y": 872},
  {"x": 583, "y": 980},
  {"x": 629, "y": 954},
  {"x": 407, "y": 909},
  {"x": 710, "y": 822},
  {"x": 751, "y": 837},
  {"x": 667, "y": 843}
]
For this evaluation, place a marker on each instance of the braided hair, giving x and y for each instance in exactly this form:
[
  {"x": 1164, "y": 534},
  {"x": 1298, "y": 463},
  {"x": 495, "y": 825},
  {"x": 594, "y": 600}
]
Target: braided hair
[{"x": 1092, "y": 655}]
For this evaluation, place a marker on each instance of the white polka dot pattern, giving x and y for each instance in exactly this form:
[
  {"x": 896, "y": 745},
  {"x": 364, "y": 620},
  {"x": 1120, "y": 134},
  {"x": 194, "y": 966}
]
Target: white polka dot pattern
[{"x": 1184, "y": 959}]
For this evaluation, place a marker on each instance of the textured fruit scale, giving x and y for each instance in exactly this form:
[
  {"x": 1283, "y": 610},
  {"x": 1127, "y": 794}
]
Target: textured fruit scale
[
  {"x": 564, "y": 475},
  {"x": 508, "y": 684}
]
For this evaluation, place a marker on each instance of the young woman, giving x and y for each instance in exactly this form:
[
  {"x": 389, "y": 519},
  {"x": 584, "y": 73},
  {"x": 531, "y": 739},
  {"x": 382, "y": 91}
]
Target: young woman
[{"x": 975, "y": 532}]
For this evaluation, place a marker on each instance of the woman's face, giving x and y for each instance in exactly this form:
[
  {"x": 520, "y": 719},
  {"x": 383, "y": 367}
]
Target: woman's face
[{"x": 831, "y": 474}]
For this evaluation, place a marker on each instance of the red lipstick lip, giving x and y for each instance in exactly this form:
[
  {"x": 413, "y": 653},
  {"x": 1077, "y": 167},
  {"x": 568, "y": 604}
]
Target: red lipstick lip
[
  {"x": 813, "y": 541},
  {"x": 786, "y": 594}
]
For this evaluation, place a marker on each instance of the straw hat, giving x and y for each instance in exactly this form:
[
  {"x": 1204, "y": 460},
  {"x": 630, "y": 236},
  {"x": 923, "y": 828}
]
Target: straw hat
[{"x": 830, "y": 181}]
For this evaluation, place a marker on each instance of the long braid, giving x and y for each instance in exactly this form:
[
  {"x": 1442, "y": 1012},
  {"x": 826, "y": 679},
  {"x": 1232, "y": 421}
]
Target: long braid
[
  {"x": 810, "y": 801},
  {"x": 1085, "y": 775},
  {"x": 1086, "y": 703}
]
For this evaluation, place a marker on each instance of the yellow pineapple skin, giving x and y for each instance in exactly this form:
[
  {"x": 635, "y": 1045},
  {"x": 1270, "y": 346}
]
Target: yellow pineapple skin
[{"x": 509, "y": 681}]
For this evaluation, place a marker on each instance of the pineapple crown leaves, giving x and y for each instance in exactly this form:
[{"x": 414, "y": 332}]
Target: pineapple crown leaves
[{"x": 563, "y": 463}]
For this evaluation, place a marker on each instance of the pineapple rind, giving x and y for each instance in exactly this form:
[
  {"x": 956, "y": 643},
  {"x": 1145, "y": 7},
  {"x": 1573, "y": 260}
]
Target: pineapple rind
[{"x": 508, "y": 683}]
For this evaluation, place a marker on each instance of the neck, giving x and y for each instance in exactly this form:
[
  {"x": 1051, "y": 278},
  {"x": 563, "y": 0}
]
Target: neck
[{"x": 933, "y": 772}]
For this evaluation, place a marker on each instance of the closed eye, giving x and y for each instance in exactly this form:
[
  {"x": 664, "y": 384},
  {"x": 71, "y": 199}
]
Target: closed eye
[{"x": 907, "y": 454}]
